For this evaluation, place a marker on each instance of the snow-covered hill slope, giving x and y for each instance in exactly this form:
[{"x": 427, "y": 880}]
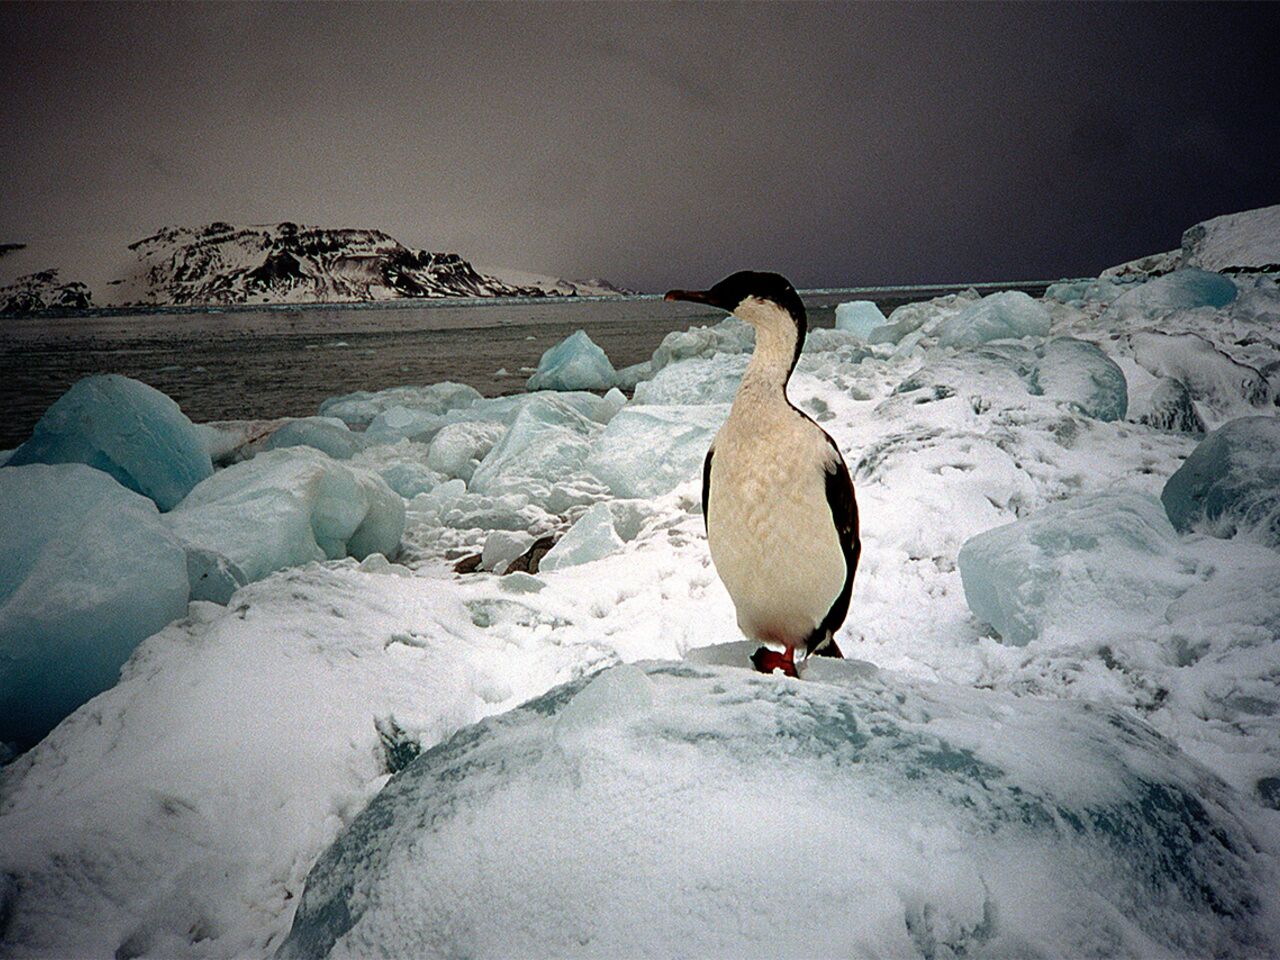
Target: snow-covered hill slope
[
  {"x": 1068, "y": 745},
  {"x": 1246, "y": 242},
  {"x": 278, "y": 263}
]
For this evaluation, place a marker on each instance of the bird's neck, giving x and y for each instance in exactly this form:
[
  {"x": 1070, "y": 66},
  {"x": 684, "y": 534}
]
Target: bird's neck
[{"x": 765, "y": 381}]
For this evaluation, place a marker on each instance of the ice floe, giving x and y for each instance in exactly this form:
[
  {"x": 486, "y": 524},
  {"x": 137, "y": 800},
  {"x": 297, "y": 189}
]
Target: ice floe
[
  {"x": 288, "y": 507},
  {"x": 1231, "y": 482},
  {"x": 88, "y": 570},
  {"x": 126, "y": 428},
  {"x": 576, "y": 363}
]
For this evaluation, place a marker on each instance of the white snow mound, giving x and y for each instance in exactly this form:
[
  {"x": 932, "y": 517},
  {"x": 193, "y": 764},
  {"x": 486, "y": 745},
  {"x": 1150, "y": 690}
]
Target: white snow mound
[{"x": 681, "y": 810}]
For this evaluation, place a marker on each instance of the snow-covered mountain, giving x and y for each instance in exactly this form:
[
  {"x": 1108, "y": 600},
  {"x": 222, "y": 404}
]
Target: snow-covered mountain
[{"x": 277, "y": 263}]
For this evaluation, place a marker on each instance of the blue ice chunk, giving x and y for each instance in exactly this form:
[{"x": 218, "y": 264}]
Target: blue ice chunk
[
  {"x": 908, "y": 322},
  {"x": 628, "y": 377},
  {"x": 866, "y": 794},
  {"x": 1230, "y": 483},
  {"x": 1170, "y": 407},
  {"x": 127, "y": 429},
  {"x": 360, "y": 408},
  {"x": 1095, "y": 559},
  {"x": 1010, "y": 314},
  {"x": 1079, "y": 292},
  {"x": 328, "y": 434},
  {"x": 730, "y": 335},
  {"x": 212, "y": 576},
  {"x": 88, "y": 571},
  {"x": 712, "y": 380},
  {"x": 407, "y": 477},
  {"x": 458, "y": 448},
  {"x": 405, "y": 423},
  {"x": 592, "y": 537},
  {"x": 1081, "y": 374},
  {"x": 1181, "y": 290},
  {"x": 548, "y": 440},
  {"x": 859, "y": 316},
  {"x": 576, "y": 363},
  {"x": 647, "y": 451},
  {"x": 287, "y": 507}
]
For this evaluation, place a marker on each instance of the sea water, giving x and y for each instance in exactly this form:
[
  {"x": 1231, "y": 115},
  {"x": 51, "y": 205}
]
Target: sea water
[{"x": 273, "y": 361}]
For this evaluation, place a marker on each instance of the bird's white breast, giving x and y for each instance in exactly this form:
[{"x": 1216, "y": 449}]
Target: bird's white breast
[{"x": 769, "y": 526}]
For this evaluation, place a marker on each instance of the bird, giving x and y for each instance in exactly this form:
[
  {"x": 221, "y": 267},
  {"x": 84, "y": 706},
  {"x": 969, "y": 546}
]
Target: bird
[{"x": 778, "y": 504}]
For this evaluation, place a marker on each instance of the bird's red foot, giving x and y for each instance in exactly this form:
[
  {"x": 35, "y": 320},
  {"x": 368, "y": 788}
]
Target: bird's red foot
[{"x": 767, "y": 661}]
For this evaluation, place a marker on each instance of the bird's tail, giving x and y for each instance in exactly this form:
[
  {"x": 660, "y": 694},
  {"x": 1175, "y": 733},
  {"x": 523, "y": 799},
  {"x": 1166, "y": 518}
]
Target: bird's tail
[{"x": 826, "y": 647}]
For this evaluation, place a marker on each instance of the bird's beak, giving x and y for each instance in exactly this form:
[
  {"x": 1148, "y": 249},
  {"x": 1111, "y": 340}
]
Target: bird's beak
[{"x": 693, "y": 296}]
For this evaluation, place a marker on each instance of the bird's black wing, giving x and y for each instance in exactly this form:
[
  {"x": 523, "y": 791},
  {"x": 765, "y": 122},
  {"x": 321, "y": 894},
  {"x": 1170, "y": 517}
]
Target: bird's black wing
[
  {"x": 844, "y": 513},
  {"x": 706, "y": 484}
]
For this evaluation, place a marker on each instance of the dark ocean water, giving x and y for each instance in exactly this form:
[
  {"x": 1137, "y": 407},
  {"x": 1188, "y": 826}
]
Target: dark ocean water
[{"x": 259, "y": 362}]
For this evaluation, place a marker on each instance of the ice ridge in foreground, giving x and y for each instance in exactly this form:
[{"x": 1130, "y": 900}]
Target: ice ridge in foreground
[{"x": 669, "y": 809}]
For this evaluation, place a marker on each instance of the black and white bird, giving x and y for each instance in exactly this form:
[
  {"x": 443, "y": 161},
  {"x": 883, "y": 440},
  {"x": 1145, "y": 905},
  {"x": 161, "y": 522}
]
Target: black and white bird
[{"x": 777, "y": 500}]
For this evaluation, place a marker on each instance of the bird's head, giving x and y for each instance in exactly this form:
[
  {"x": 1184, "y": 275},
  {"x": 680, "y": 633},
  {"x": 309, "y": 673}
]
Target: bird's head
[
  {"x": 751, "y": 296},
  {"x": 767, "y": 301}
]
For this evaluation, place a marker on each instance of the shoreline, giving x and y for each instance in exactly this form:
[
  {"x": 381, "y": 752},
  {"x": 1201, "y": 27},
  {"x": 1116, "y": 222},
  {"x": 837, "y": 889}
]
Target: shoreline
[{"x": 914, "y": 292}]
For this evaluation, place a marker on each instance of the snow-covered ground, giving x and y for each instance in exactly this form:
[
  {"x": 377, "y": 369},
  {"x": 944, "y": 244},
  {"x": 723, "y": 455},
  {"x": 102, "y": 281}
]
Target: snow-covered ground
[{"x": 1058, "y": 733}]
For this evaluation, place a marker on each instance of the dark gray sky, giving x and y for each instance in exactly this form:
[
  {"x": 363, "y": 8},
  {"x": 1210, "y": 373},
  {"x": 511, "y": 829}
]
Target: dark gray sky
[{"x": 654, "y": 145}]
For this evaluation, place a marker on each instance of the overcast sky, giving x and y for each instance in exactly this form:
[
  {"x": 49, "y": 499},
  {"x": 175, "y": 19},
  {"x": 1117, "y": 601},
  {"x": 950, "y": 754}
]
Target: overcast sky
[{"x": 653, "y": 145}]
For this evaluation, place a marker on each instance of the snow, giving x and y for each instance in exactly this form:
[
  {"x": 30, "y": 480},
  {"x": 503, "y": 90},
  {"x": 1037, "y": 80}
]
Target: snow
[
  {"x": 88, "y": 570},
  {"x": 1237, "y": 241},
  {"x": 1231, "y": 482},
  {"x": 1226, "y": 387},
  {"x": 665, "y": 810},
  {"x": 861, "y": 317},
  {"x": 1009, "y": 314},
  {"x": 288, "y": 507},
  {"x": 576, "y": 363},
  {"x": 1102, "y": 782},
  {"x": 127, "y": 429}
]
